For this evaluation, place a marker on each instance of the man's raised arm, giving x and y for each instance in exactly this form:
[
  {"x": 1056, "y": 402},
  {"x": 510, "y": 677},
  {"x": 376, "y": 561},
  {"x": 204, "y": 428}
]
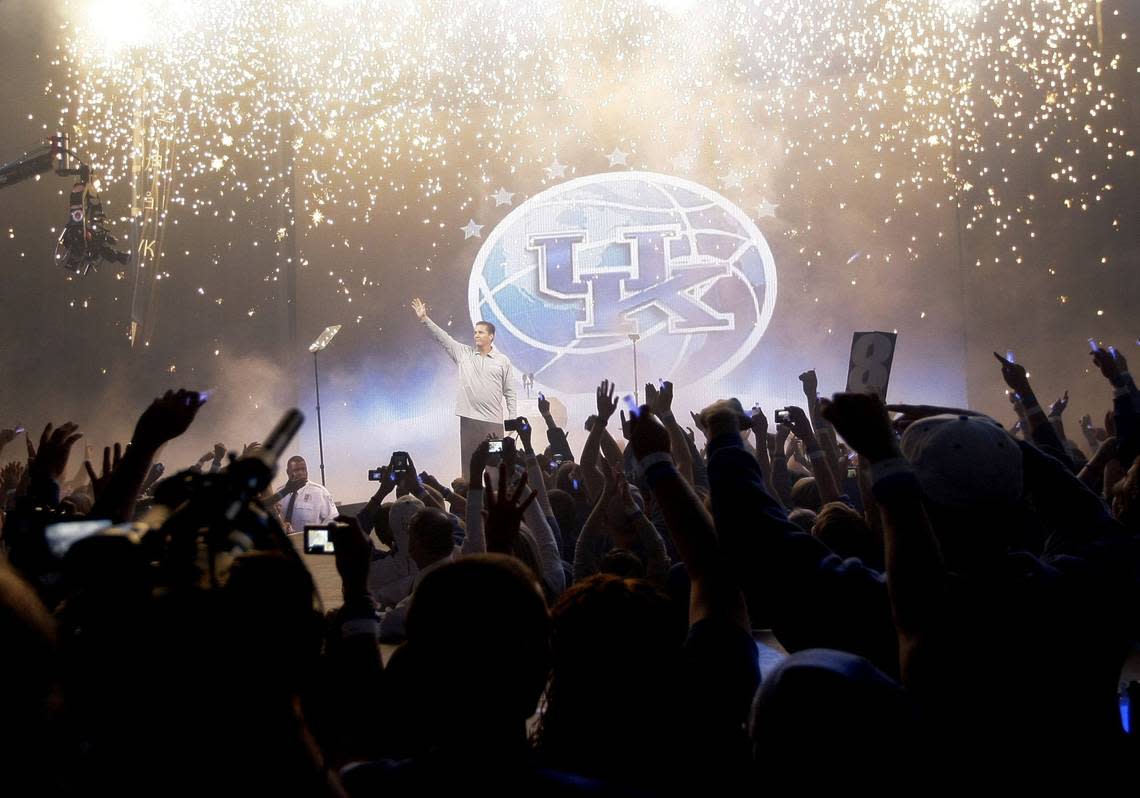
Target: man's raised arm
[{"x": 453, "y": 348}]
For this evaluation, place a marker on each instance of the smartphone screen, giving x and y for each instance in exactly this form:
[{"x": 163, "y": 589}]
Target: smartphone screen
[
  {"x": 60, "y": 537},
  {"x": 318, "y": 540},
  {"x": 495, "y": 447}
]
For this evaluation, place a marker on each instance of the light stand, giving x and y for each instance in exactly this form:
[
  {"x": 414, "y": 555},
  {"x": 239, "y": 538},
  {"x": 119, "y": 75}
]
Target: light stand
[
  {"x": 316, "y": 347},
  {"x": 634, "y": 338}
]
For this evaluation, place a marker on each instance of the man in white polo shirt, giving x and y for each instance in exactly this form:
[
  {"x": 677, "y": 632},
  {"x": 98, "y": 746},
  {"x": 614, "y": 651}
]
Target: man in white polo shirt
[
  {"x": 486, "y": 382},
  {"x": 303, "y": 502}
]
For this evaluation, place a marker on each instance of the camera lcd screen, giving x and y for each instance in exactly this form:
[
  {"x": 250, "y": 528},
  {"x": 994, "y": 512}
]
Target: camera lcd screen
[
  {"x": 60, "y": 537},
  {"x": 318, "y": 540}
]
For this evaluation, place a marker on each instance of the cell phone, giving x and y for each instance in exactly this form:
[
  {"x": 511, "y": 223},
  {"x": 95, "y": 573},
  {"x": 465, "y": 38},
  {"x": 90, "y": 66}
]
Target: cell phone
[
  {"x": 631, "y": 405},
  {"x": 18, "y": 429},
  {"x": 1092, "y": 345},
  {"x": 318, "y": 539},
  {"x": 516, "y": 424},
  {"x": 574, "y": 484},
  {"x": 1009, "y": 358},
  {"x": 495, "y": 446},
  {"x": 62, "y": 536},
  {"x": 783, "y": 417},
  {"x": 375, "y": 474},
  {"x": 851, "y": 472},
  {"x": 401, "y": 462}
]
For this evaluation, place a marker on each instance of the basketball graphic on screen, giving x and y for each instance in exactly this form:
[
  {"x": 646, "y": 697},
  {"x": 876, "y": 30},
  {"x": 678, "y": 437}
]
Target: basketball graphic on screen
[{"x": 572, "y": 273}]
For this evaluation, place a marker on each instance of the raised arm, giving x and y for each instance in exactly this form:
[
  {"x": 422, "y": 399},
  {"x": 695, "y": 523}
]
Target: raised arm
[
  {"x": 166, "y": 418},
  {"x": 474, "y": 542},
  {"x": 591, "y": 475},
  {"x": 1040, "y": 430},
  {"x": 555, "y": 434},
  {"x": 538, "y": 512},
  {"x": 916, "y": 575},
  {"x": 714, "y": 592},
  {"x": 453, "y": 348},
  {"x": 1125, "y": 403},
  {"x": 813, "y": 598},
  {"x": 824, "y": 474},
  {"x": 661, "y": 403}
]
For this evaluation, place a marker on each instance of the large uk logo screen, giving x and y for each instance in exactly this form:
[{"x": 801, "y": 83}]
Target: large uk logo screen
[{"x": 575, "y": 275}]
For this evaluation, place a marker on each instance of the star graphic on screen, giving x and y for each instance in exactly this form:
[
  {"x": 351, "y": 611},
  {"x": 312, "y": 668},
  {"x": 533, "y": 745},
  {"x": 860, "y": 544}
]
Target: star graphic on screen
[
  {"x": 617, "y": 157},
  {"x": 733, "y": 179},
  {"x": 502, "y": 197},
  {"x": 766, "y": 208},
  {"x": 472, "y": 230},
  {"x": 556, "y": 169}
]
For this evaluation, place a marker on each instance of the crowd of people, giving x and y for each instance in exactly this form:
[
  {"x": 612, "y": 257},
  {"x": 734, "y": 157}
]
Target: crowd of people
[{"x": 952, "y": 599}]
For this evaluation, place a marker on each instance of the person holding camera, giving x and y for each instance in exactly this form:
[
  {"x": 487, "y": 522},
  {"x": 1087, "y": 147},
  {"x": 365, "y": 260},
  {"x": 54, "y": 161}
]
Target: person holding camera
[
  {"x": 486, "y": 381},
  {"x": 302, "y": 502}
]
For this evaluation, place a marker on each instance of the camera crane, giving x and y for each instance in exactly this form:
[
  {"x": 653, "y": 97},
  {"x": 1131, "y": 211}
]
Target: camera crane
[{"x": 85, "y": 240}]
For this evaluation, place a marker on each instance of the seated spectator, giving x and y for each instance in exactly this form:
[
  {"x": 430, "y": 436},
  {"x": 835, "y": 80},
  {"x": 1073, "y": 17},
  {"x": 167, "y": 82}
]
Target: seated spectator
[
  {"x": 431, "y": 543},
  {"x": 390, "y": 577}
]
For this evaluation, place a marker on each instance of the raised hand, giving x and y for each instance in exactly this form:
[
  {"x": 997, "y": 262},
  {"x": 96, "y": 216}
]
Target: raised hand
[
  {"x": 543, "y": 405},
  {"x": 647, "y": 435},
  {"x": 1015, "y": 376},
  {"x": 1058, "y": 407},
  {"x": 503, "y": 513},
  {"x": 219, "y": 451},
  {"x": 861, "y": 418},
  {"x": 387, "y": 482},
  {"x": 11, "y": 474},
  {"x": 409, "y": 481},
  {"x": 664, "y": 399},
  {"x": 651, "y": 397},
  {"x": 697, "y": 420},
  {"x": 1111, "y": 364},
  {"x": 99, "y": 481},
  {"x": 619, "y": 500},
  {"x": 352, "y": 551},
  {"x": 759, "y": 424},
  {"x": 525, "y": 432},
  {"x": 478, "y": 465},
  {"x": 810, "y": 384},
  {"x": 782, "y": 435},
  {"x": 167, "y": 417},
  {"x": 799, "y": 423},
  {"x": 607, "y": 404},
  {"x": 49, "y": 461},
  {"x": 420, "y": 308}
]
